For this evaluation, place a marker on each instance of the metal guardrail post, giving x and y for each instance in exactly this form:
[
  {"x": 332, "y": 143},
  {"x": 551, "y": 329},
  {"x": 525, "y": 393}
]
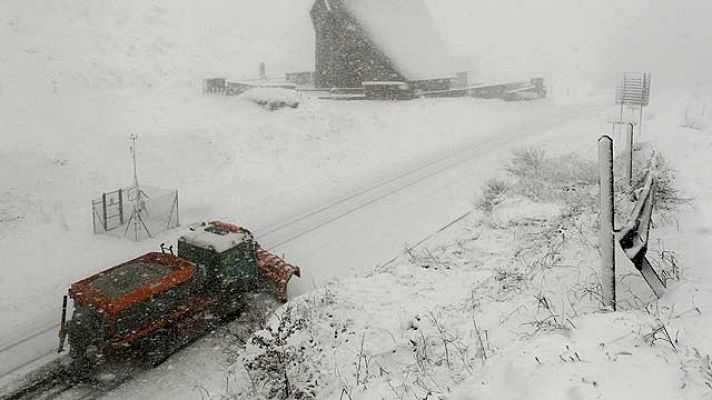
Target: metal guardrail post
[
  {"x": 633, "y": 238},
  {"x": 606, "y": 238},
  {"x": 628, "y": 160}
]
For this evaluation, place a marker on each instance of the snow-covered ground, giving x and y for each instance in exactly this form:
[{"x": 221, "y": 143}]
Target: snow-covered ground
[
  {"x": 255, "y": 167},
  {"x": 504, "y": 304},
  {"x": 76, "y": 81},
  {"x": 471, "y": 264}
]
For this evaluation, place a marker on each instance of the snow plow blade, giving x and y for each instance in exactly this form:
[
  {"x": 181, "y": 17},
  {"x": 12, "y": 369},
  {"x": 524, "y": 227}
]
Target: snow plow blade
[{"x": 276, "y": 272}]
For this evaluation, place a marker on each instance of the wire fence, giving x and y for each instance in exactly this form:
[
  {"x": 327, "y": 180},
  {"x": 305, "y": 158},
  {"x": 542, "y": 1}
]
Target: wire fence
[{"x": 134, "y": 213}]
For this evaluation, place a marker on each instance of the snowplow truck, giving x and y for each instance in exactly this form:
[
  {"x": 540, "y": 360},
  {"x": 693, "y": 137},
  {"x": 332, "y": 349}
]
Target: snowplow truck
[{"x": 147, "y": 308}]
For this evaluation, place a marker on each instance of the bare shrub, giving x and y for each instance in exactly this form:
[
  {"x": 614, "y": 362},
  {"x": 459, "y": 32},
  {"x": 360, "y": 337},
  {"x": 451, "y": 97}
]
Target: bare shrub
[
  {"x": 647, "y": 160},
  {"x": 666, "y": 196},
  {"x": 703, "y": 366},
  {"x": 526, "y": 162},
  {"x": 665, "y": 261},
  {"x": 492, "y": 194},
  {"x": 590, "y": 290},
  {"x": 542, "y": 178},
  {"x": 552, "y": 319},
  {"x": 697, "y": 117},
  {"x": 270, "y": 370},
  {"x": 660, "y": 333},
  {"x": 571, "y": 170},
  {"x": 425, "y": 258}
]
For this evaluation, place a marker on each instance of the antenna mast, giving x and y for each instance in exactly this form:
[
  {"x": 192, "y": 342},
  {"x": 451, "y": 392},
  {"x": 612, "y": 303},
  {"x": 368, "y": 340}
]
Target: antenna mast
[
  {"x": 132, "y": 148},
  {"x": 139, "y": 204},
  {"x": 139, "y": 200}
]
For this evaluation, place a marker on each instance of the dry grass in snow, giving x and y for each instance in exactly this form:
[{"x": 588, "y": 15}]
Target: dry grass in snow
[{"x": 505, "y": 304}]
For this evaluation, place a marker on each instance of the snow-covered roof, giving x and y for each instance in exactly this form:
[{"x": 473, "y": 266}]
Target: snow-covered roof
[
  {"x": 271, "y": 94},
  {"x": 383, "y": 83},
  {"x": 219, "y": 242},
  {"x": 406, "y": 33},
  {"x": 130, "y": 277}
]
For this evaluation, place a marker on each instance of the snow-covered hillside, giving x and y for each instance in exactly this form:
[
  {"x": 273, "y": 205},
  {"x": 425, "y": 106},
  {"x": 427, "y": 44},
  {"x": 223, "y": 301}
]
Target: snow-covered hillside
[{"x": 53, "y": 47}]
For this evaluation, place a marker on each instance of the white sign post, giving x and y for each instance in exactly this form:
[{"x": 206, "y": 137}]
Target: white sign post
[{"x": 634, "y": 90}]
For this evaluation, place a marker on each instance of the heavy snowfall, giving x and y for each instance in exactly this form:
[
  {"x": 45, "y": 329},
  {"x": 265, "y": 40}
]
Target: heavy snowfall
[{"x": 448, "y": 246}]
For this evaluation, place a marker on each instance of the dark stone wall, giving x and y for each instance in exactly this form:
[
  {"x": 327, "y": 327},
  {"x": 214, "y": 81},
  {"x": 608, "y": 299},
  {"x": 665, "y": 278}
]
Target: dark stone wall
[{"x": 345, "y": 56}]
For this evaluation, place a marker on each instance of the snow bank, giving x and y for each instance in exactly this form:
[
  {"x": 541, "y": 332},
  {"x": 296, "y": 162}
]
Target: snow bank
[
  {"x": 606, "y": 356},
  {"x": 507, "y": 310},
  {"x": 515, "y": 209}
]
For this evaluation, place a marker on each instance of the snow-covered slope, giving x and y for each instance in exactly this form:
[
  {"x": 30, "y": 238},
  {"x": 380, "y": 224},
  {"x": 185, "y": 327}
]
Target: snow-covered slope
[{"x": 90, "y": 44}]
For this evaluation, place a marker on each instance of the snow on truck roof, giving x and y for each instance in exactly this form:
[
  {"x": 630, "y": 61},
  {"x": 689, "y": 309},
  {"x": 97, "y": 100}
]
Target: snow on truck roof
[
  {"x": 122, "y": 281},
  {"x": 216, "y": 239},
  {"x": 132, "y": 282},
  {"x": 383, "y": 83}
]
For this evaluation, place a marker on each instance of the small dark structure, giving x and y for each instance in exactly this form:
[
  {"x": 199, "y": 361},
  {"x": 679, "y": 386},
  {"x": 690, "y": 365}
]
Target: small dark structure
[
  {"x": 304, "y": 78},
  {"x": 222, "y": 86},
  {"x": 376, "y": 90},
  {"x": 379, "y": 40},
  {"x": 509, "y": 91},
  {"x": 214, "y": 85}
]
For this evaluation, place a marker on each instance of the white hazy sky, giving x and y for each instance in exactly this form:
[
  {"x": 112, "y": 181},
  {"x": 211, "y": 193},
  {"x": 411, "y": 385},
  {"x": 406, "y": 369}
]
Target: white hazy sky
[
  {"x": 577, "y": 42},
  {"x": 583, "y": 39}
]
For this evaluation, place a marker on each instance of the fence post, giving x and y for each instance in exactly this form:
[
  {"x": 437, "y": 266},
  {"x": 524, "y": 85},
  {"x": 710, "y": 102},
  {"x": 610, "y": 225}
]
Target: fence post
[
  {"x": 121, "y": 207},
  {"x": 606, "y": 238},
  {"x": 103, "y": 204},
  {"x": 628, "y": 160}
]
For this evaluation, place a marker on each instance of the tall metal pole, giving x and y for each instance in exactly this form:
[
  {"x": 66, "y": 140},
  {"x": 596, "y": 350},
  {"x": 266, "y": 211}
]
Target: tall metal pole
[
  {"x": 139, "y": 201},
  {"x": 622, "y": 103},
  {"x": 640, "y": 121},
  {"x": 138, "y": 204},
  {"x": 628, "y": 164},
  {"x": 133, "y": 157},
  {"x": 606, "y": 238}
]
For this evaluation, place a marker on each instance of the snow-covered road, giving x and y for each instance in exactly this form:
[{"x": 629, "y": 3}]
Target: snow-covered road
[
  {"x": 373, "y": 224},
  {"x": 370, "y": 224}
]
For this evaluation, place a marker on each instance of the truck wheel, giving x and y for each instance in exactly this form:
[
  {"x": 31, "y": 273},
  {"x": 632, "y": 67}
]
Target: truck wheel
[
  {"x": 81, "y": 366},
  {"x": 230, "y": 308},
  {"x": 158, "y": 348}
]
